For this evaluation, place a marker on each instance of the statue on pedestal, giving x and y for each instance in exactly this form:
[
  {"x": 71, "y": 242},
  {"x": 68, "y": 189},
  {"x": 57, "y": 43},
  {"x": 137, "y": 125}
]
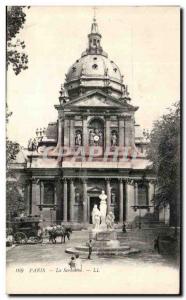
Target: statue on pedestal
[
  {"x": 110, "y": 220},
  {"x": 96, "y": 217},
  {"x": 78, "y": 139},
  {"x": 103, "y": 207}
]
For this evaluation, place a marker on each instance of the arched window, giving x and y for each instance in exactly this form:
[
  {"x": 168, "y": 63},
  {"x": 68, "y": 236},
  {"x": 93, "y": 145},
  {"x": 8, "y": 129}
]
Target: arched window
[
  {"x": 142, "y": 194},
  {"x": 96, "y": 132}
]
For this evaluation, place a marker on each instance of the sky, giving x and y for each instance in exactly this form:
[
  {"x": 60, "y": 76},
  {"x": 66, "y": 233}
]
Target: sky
[{"x": 143, "y": 41}]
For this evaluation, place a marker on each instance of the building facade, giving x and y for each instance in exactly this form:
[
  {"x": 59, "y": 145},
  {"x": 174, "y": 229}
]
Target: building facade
[{"x": 93, "y": 146}]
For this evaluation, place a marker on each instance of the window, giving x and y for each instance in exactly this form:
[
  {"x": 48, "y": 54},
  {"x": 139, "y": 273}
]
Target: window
[
  {"x": 94, "y": 41},
  {"x": 142, "y": 195},
  {"x": 48, "y": 193},
  {"x": 115, "y": 70},
  {"x": 73, "y": 69},
  {"x": 95, "y": 58}
]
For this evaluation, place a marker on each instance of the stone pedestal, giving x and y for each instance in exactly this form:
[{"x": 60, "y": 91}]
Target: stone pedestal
[{"x": 106, "y": 235}]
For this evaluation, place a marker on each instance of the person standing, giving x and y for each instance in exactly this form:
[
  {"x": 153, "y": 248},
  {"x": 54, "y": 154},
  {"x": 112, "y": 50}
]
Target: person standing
[
  {"x": 78, "y": 263},
  {"x": 90, "y": 245},
  {"x": 72, "y": 263}
]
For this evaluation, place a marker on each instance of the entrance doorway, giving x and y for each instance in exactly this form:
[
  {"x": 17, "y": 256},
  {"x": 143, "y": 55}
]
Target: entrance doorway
[{"x": 93, "y": 200}]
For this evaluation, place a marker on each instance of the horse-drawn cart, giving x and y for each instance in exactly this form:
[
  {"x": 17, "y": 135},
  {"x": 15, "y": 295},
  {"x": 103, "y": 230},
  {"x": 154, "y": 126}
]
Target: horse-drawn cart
[{"x": 26, "y": 229}]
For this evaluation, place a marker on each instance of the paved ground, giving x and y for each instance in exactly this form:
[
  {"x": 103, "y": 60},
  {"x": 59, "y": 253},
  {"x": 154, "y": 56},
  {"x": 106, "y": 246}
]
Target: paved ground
[
  {"x": 41, "y": 268},
  {"x": 47, "y": 252}
]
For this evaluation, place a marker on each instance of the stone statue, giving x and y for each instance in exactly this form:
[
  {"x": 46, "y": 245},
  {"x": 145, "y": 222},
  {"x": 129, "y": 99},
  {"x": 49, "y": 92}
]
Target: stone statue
[
  {"x": 103, "y": 207},
  {"x": 114, "y": 139},
  {"x": 78, "y": 139},
  {"x": 91, "y": 138},
  {"x": 110, "y": 220},
  {"x": 32, "y": 145},
  {"x": 96, "y": 216}
]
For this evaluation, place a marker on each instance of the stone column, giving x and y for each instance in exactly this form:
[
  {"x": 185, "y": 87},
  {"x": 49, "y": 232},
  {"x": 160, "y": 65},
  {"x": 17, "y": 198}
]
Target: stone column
[
  {"x": 72, "y": 200},
  {"x": 30, "y": 197},
  {"x": 85, "y": 133},
  {"x": 28, "y": 191},
  {"x": 84, "y": 200},
  {"x": 60, "y": 130},
  {"x": 129, "y": 131},
  {"x": 42, "y": 192},
  {"x": 72, "y": 133},
  {"x": 130, "y": 195},
  {"x": 108, "y": 194},
  {"x": 136, "y": 193},
  {"x": 55, "y": 193},
  {"x": 65, "y": 200},
  {"x": 107, "y": 133},
  {"x": 121, "y": 131},
  {"x": 35, "y": 196},
  {"x": 121, "y": 200},
  {"x": 66, "y": 132},
  {"x": 151, "y": 193}
]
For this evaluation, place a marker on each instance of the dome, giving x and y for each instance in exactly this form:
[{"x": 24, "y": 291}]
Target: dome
[
  {"x": 94, "y": 66},
  {"x": 94, "y": 70}
]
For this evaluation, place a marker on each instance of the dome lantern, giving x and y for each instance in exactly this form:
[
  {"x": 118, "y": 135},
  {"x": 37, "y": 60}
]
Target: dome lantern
[
  {"x": 94, "y": 70},
  {"x": 94, "y": 39}
]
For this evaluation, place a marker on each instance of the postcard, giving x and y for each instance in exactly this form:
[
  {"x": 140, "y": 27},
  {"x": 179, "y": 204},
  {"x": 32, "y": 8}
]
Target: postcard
[{"x": 93, "y": 150}]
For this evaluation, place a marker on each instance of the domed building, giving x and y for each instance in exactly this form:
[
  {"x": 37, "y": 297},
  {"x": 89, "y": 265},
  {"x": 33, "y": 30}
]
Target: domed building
[
  {"x": 94, "y": 69},
  {"x": 95, "y": 145}
]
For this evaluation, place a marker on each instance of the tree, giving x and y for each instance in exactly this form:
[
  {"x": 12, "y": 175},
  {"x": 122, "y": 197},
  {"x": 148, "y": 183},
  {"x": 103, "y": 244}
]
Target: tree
[
  {"x": 14, "y": 186},
  {"x": 16, "y": 57},
  {"x": 164, "y": 152}
]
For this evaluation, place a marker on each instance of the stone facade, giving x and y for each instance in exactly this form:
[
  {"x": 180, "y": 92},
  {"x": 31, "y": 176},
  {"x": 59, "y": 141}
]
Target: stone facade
[{"x": 92, "y": 147}]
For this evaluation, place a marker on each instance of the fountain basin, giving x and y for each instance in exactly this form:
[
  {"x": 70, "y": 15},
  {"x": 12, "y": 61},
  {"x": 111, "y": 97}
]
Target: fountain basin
[{"x": 121, "y": 251}]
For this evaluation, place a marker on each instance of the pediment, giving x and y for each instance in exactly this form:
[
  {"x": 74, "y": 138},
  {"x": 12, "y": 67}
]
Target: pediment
[
  {"x": 95, "y": 99},
  {"x": 95, "y": 189}
]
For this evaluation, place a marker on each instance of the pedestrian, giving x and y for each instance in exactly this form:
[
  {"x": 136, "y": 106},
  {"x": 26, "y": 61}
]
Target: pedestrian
[
  {"x": 156, "y": 244},
  {"x": 89, "y": 249},
  {"x": 124, "y": 228},
  {"x": 78, "y": 263},
  {"x": 72, "y": 263}
]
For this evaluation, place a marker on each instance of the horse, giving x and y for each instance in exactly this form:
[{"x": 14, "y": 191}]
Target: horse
[{"x": 59, "y": 230}]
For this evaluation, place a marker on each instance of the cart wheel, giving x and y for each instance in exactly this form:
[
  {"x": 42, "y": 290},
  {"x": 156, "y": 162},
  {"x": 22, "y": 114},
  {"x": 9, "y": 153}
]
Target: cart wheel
[{"x": 20, "y": 238}]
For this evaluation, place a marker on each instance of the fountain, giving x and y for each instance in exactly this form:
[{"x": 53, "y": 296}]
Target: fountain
[{"x": 103, "y": 234}]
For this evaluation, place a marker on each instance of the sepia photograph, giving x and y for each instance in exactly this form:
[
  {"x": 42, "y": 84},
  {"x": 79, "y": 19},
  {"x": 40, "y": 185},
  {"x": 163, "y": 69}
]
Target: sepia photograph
[{"x": 93, "y": 191}]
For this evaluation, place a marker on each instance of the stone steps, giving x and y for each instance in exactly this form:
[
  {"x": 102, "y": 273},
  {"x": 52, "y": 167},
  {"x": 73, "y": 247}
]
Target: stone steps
[
  {"x": 95, "y": 249},
  {"x": 123, "y": 251}
]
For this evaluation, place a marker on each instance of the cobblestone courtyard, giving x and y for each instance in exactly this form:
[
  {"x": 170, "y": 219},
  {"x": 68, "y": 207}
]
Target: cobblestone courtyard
[
  {"x": 48, "y": 252},
  {"x": 38, "y": 262}
]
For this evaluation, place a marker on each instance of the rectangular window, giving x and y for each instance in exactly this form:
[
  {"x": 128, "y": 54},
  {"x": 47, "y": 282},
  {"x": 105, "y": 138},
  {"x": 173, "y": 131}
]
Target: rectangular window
[
  {"x": 142, "y": 195},
  {"x": 48, "y": 193}
]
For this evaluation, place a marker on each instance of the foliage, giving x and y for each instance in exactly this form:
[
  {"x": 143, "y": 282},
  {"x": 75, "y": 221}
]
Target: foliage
[
  {"x": 16, "y": 57},
  {"x": 16, "y": 17},
  {"x": 164, "y": 152}
]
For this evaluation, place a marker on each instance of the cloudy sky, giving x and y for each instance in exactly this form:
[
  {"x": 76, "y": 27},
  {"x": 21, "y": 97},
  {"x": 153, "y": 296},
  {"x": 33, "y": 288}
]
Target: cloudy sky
[{"x": 143, "y": 42}]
